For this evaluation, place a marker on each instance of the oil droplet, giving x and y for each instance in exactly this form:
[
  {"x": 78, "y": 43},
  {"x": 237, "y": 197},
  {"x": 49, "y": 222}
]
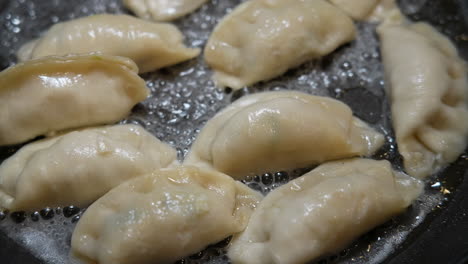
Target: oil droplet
[
  {"x": 366, "y": 56},
  {"x": 18, "y": 217},
  {"x": 338, "y": 93},
  {"x": 75, "y": 219},
  {"x": 47, "y": 213},
  {"x": 281, "y": 176},
  {"x": 71, "y": 210},
  {"x": 35, "y": 216},
  {"x": 15, "y": 21},
  {"x": 256, "y": 178},
  {"x": 248, "y": 178},
  {"x": 346, "y": 66},
  {"x": 267, "y": 178}
]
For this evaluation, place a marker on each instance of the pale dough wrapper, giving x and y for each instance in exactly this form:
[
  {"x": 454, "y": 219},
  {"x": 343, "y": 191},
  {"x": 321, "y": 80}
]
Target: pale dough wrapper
[
  {"x": 79, "y": 167},
  {"x": 427, "y": 83},
  {"x": 162, "y": 10},
  {"x": 273, "y": 131},
  {"x": 323, "y": 211},
  {"x": 57, "y": 93},
  {"x": 150, "y": 45},
  {"x": 163, "y": 217},
  {"x": 370, "y": 10},
  {"x": 262, "y": 39}
]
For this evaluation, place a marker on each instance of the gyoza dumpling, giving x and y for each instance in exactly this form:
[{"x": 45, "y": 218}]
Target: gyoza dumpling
[
  {"x": 321, "y": 212},
  {"x": 162, "y": 10},
  {"x": 427, "y": 84},
  {"x": 275, "y": 131},
  {"x": 162, "y": 217},
  {"x": 79, "y": 167},
  {"x": 262, "y": 39},
  {"x": 57, "y": 93},
  {"x": 150, "y": 45},
  {"x": 373, "y": 10}
]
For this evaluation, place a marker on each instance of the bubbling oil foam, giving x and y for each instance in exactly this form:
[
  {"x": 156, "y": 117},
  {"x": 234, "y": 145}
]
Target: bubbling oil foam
[{"x": 183, "y": 98}]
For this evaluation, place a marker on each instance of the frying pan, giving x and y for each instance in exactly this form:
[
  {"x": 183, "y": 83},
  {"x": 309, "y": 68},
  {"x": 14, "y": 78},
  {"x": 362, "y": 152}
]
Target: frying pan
[{"x": 442, "y": 237}]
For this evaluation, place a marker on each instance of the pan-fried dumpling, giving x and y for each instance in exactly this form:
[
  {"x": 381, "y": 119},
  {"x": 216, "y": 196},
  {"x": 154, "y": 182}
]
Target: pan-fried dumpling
[
  {"x": 373, "y": 10},
  {"x": 162, "y": 10},
  {"x": 321, "y": 212},
  {"x": 163, "y": 217},
  {"x": 275, "y": 131},
  {"x": 150, "y": 45},
  {"x": 427, "y": 84},
  {"x": 57, "y": 93},
  {"x": 79, "y": 167},
  {"x": 262, "y": 39}
]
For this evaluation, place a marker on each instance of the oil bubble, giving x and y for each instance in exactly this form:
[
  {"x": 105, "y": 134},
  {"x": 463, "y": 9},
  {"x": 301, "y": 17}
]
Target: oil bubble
[
  {"x": 18, "y": 217},
  {"x": 35, "y": 216},
  {"x": 70, "y": 211},
  {"x": 47, "y": 213}
]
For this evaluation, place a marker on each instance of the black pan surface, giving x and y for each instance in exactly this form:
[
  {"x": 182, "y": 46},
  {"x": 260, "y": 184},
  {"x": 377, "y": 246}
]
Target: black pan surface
[{"x": 441, "y": 238}]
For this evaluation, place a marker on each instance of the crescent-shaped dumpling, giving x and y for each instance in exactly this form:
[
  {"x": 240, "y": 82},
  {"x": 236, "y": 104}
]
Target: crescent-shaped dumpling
[
  {"x": 321, "y": 212},
  {"x": 79, "y": 167},
  {"x": 163, "y": 217},
  {"x": 427, "y": 84},
  {"x": 150, "y": 45},
  {"x": 275, "y": 131},
  {"x": 262, "y": 39},
  {"x": 57, "y": 93},
  {"x": 162, "y": 10}
]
